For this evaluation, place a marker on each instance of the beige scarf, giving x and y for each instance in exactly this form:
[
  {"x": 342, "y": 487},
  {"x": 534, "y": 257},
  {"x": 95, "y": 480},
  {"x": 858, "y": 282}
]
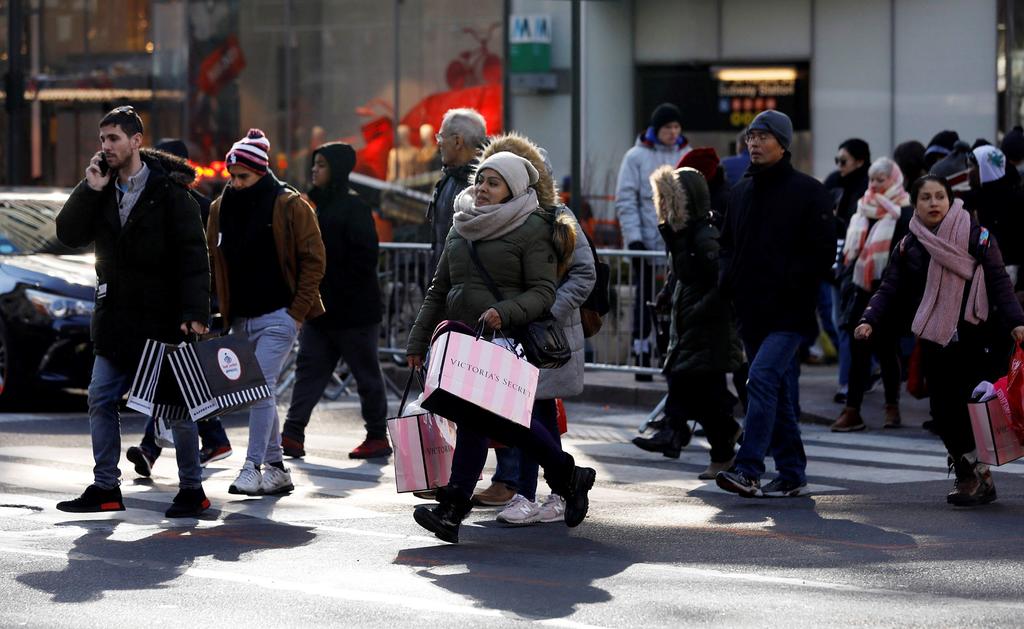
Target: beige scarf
[{"x": 488, "y": 222}]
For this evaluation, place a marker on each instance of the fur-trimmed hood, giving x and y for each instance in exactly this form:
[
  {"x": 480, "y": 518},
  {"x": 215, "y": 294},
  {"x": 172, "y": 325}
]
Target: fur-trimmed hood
[
  {"x": 681, "y": 196},
  {"x": 176, "y": 168},
  {"x": 547, "y": 193}
]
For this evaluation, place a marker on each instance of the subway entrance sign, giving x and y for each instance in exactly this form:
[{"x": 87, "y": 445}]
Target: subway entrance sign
[{"x": 529, "y": 43}]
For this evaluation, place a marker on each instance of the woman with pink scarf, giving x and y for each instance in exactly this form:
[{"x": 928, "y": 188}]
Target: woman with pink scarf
[
  {"x": 948, "y": 280},
  {"x": 881, "y": 220}
]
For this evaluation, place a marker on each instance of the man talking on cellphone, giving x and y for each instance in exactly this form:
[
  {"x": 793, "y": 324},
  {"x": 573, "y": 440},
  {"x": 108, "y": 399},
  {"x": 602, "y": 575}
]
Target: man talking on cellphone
[{"x": 152, "y": 282}]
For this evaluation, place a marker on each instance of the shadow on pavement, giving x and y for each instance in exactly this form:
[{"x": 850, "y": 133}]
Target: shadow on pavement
[
  {"x": 98, "y": 564},
  {"x": 521, "y": 579}
]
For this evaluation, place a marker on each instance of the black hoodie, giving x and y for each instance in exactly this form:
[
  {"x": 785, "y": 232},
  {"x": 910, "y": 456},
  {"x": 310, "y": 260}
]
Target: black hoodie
[{"x": 350, "y": 289}]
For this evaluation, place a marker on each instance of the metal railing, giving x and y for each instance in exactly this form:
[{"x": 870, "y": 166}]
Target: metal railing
[{"x": 636, "y": 277}]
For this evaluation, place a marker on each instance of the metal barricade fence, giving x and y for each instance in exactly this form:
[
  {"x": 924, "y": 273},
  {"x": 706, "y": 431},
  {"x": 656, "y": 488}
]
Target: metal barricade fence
[{"x": 632, "y": 337}]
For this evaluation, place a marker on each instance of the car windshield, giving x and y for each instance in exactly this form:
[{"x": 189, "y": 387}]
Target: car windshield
[{"x": 27, "y": 224}]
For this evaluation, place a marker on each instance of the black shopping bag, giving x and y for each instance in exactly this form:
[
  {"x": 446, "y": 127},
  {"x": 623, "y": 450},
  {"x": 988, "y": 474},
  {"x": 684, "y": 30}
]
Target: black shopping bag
[
  {"x": 218, "y": 376},
  {"x": 154, "y": 390}
]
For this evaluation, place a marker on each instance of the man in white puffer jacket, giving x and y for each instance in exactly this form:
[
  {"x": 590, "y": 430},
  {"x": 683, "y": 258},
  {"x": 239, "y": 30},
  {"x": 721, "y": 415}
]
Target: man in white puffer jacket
[{"x": 663, "y": 143}]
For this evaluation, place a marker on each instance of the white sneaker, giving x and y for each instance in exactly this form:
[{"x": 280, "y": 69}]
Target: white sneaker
[
  {"x": 552, "y": 509},
  {"x": 520, "y": 511},
  {"x": 248, "y": 481},
  {"x": 276, "y": 481}
]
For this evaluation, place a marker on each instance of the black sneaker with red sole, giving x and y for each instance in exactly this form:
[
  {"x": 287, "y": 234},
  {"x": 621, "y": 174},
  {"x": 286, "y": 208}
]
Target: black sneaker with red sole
[{"x": 94, "y": 500}]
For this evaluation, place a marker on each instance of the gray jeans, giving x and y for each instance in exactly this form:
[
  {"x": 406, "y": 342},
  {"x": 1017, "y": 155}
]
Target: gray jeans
[
  {"x": 108, "y": 385},
  {"x": 319, "y": 351},
  {"x": 273, "y": 336}
]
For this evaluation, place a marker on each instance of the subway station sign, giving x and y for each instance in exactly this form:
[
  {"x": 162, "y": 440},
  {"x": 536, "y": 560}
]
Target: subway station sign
[{"x": 529, "y": 39}]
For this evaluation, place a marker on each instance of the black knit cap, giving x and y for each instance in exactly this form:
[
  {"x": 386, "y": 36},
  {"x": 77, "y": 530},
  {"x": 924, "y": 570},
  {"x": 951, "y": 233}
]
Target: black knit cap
[
  {"x": 943, "y": 142},
  {"x": 1013, "y": 144},
  {"x": 664, "y": 114}
]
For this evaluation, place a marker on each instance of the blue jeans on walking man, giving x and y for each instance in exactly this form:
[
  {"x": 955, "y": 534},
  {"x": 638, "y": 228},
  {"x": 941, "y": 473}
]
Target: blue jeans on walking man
[
  {"x": 108, "y": 385},
  {"x": 771, "y": 423}
]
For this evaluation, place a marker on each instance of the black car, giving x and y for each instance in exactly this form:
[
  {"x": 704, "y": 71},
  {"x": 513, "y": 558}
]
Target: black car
[{"x": 47, "y": 293}]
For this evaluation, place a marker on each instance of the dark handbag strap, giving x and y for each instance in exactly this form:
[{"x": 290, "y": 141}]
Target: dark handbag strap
[{"x": 483, "y": 272}]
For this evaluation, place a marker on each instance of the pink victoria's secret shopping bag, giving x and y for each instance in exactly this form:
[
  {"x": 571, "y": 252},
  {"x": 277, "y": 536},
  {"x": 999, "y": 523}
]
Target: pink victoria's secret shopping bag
[
  {"x": 994, "y": 434},
  {"x": 424, "y": 447},
  {"x": 471, "y": 377}
]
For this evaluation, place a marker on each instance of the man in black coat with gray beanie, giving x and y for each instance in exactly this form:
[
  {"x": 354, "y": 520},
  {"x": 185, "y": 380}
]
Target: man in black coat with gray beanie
[{"x": 777, "y": 246}]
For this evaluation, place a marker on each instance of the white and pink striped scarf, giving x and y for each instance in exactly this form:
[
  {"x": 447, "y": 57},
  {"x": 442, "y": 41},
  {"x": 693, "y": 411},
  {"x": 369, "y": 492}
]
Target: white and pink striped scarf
[{"x": 870, "y": 244}]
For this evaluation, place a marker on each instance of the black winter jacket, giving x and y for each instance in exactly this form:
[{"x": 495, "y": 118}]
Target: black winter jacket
[
  {"x": 999, "y": 206},
  {"x": 153, "y": 273},
  {"x": 778, "y": 245},
  {"x": 702, "y": 336},
  {"x": 350, "y": 289},
  {"x": 454, "y": 179},
  {"x": 895, "y": 303}
]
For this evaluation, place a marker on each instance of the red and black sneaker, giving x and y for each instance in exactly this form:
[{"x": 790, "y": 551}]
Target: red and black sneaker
[
  {"x": 143, "y": 462},
  {"x": 94, "y": 500},
  {"x": 209, "y": 455},
  {"x": 189, "y": 503},
  {"x": 371, "y": 449}
]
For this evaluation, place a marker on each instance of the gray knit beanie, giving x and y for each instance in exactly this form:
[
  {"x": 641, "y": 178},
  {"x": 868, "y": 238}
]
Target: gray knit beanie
[
  {"x": 776, "y": 123},
  {"x": 517, "y": 172}
]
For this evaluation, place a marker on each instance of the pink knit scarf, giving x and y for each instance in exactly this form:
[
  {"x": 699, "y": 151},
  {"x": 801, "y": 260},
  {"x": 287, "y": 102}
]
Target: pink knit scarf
[{"x": 950, "y": 268}]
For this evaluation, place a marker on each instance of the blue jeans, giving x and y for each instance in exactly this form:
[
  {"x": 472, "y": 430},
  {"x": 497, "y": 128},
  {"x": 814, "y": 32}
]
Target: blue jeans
[
  {"x": 826, "y": 312},
  {"x": 771, "y": 422},
  {"x": 108, "y": 385},
  {"x": 211, "y": 436},
  {"x": 273, "y": 336},
  {"x": 516, "y": 469},
  {"x": 844, "y": 349}
]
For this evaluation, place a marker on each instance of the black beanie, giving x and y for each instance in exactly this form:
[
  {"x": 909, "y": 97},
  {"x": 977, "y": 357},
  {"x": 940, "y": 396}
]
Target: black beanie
[
  {"x": 174, "y": 147},
  {"x": 1013, "y": 144},
  {"x": 664, "y": 114},
  {"x": 858, "y": 149},
  {"x": 943, "y": 140}
]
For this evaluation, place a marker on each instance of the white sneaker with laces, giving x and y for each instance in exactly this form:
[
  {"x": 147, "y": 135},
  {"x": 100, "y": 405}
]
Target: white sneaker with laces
[
  {"x": 520, "y": 511},
  {"x": 552, "y": 509},
  {"x": 248, "y": 482},
  {"x": 276, "y": 481}
]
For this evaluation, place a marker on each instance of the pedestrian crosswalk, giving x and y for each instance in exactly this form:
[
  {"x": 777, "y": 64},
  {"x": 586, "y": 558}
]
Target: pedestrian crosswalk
[{"x": 330, "y": 487}]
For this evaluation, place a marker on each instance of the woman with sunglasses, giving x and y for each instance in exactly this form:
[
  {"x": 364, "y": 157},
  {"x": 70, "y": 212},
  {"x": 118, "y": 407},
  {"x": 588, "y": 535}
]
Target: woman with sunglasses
[{"x": 947, "y": 281}]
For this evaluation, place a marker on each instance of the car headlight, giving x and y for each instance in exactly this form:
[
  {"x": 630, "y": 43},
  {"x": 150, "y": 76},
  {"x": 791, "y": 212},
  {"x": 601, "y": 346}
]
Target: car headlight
[{"x": 58, "y": 306}]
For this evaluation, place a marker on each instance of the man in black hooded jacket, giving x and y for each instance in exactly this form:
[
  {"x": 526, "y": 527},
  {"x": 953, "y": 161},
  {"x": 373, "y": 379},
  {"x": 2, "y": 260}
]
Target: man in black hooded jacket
[
  {"x": 350, "y": 291},
  {"x": 153, "y": 282}
]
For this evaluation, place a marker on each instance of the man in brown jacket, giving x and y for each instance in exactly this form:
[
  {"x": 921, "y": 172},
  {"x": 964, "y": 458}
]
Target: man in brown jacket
[{"x": 268, "y": 260}]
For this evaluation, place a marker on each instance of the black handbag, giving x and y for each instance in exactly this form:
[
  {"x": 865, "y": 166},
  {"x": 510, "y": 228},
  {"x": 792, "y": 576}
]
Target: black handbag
[
  {"x": 598, "y": 303},
  {"x": 544, "y": 342}
]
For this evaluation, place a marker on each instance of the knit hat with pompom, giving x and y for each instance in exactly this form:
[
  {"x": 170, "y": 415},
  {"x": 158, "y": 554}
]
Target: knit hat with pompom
[{"x": 252, "y": 152}]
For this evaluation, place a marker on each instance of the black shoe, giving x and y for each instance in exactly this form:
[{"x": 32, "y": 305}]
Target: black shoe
[
  {"x": 209, "y": 455},
  {"x": 780, "y": 488},
  {"x": 667, "y": 441},
  {"x": 576, "y": 501},
  {"x": 189, "y": 503},
  {"x": 94, "y": 500},
  {"x": 931, "y": 426},
  {"x": 292, "y": 447},
  {"x": 643, "y": 377},
  {"x": 143, "y": 464},
  {"x": 839, "y": 397},
  {"x": 444, "y": 519},
  {"x": 737, "y": 483}
]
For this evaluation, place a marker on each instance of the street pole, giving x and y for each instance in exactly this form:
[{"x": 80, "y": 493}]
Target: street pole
[
  {"x": 575, "y": 171},
  {"x": 14, "y": 86}
]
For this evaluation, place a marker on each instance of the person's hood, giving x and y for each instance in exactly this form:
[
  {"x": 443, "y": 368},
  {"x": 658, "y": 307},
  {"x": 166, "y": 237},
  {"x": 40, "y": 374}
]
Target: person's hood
[
  {"x": 681, "y": 196},
  {"x": 175, "y": 168},
  {"x": 650, "y": 142},
  {"x": 342, "y": 160},
  {"x": 547, "y": 192}
]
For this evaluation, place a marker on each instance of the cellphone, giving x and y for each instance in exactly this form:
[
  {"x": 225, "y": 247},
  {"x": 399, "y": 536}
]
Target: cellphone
[{"x": 104, "y": 166}]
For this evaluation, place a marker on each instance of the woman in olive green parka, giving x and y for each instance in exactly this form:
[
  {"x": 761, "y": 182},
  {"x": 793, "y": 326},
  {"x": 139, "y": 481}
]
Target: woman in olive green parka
[{"x": 501, "y": 216}]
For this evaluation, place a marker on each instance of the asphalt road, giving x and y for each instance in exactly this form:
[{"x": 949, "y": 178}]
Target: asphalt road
[{"x": 875, "y": 545}]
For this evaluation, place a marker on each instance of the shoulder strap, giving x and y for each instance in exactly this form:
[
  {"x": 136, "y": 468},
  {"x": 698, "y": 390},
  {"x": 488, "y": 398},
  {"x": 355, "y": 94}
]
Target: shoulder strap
[{"x": 483, "y": 272}]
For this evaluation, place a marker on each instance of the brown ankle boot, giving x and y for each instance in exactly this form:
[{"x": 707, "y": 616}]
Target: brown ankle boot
[
  {"x": 973, "y": 485},
  {"x": 849, "y": 421},
  {"x": 892, "y": 416}
]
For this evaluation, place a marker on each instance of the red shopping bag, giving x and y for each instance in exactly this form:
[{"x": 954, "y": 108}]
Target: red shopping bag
[
  {"x": 563, "y": 418},
  {"x": 1012, "y": 388},
  {"x": 916, "y": 385}
]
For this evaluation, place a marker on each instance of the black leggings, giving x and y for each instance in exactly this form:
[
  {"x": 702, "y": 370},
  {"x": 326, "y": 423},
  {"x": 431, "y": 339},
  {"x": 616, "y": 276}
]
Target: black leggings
[
  {"x": 886, "y": 349},
  {"x": 952, "y": 373},
  {"x": 704, "y": 397}
]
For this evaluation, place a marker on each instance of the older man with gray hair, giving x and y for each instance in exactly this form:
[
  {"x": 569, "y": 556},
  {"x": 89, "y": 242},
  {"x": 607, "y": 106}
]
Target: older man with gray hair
[{"x": 463, "y": 132}]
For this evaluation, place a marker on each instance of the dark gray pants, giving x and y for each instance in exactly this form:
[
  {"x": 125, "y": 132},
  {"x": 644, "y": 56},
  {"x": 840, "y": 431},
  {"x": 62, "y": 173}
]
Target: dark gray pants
[{"x": 319, "y": 351}]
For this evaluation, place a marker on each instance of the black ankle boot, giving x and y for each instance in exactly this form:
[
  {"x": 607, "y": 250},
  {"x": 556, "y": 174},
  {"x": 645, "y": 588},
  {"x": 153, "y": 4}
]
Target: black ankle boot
[
  {"x": 577, "y": 503},
  {"x": 668, "y": 441},
  {"x": 189, "y": 503},
  {"x": 444, "y": 519}
]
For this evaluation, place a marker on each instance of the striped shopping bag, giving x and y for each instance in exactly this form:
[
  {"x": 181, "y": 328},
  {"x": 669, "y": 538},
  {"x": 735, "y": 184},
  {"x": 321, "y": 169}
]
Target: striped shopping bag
[
  {"x": 218, "y": 376},
  {"x": 424, "y": 446},
  {"x": 468, "y": 377},
  {"x": 154, "y": 391}
]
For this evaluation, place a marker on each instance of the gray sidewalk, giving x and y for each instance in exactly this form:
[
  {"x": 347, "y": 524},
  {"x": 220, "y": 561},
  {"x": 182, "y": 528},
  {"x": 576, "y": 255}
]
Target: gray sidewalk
[{"x": 817, "y": 388}]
